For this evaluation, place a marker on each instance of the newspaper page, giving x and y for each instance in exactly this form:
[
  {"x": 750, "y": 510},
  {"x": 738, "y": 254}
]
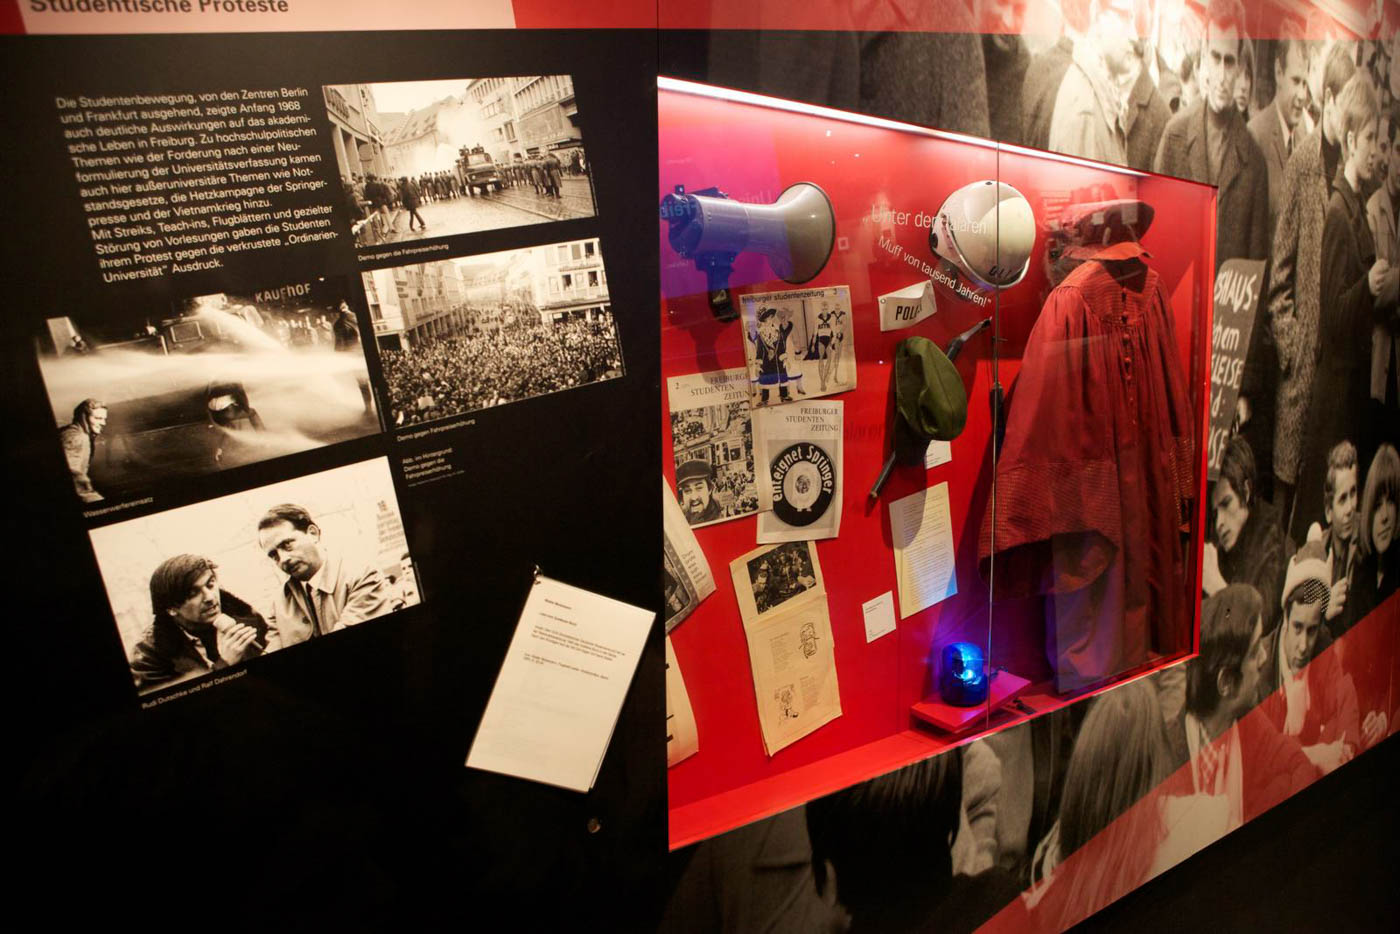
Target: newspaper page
[
  {"x": 794, "y": 672},
  {"x": 798, "y": 344},
  {"x": 682, "y": 741},
  {"x": 782, "y": 599},
  {"x": 799, "y": 455},
  {"x": 712, "y": 445},
  {"x": 684, "y": 569}
]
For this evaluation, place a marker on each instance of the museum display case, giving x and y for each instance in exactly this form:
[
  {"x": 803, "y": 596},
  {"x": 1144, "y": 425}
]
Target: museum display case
[
  {"x": 966, "y": 293},
  {"x": 1021, "y": 378}
]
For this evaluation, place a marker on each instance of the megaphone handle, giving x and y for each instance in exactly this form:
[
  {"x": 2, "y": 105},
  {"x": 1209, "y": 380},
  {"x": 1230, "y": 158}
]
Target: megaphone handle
[
  {"x": 722, "y": 305},
  {"x": 717, "y": 269},
  {"x": 884, "y": 475}
]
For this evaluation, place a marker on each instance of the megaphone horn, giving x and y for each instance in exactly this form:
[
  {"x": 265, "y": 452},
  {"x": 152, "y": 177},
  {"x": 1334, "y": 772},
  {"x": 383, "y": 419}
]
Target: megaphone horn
[{"x": 796, "y": 233}]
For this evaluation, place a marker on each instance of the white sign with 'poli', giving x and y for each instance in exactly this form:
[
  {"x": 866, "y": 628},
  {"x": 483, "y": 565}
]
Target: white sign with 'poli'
[{"x": 907, "y": 306}]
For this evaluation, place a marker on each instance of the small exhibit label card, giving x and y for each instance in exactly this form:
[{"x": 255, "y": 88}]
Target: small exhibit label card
[{"x": 879, "y": 616}]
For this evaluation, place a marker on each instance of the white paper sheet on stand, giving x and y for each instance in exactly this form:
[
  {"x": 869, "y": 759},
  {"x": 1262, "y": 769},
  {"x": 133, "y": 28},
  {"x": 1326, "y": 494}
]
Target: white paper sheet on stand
[{"x": 557, "y": 697}]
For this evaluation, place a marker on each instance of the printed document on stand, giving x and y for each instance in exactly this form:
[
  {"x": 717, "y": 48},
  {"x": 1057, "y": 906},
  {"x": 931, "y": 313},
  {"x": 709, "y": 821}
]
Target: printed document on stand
[
  {"x": 556, "y": 701},
  {"x": 923, "y": 549}
]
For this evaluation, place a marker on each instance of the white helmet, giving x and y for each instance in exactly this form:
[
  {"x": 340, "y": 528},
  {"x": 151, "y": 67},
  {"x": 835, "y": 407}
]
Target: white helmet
[{"x": 987, "y": 230}]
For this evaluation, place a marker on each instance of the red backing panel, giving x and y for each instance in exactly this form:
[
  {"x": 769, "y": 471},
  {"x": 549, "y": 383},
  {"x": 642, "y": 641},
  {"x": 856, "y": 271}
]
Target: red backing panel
[
  {"x": 10, "y": 22},
  {"x": 752, "y": 153},
  {"x": 617, "y": 14}
]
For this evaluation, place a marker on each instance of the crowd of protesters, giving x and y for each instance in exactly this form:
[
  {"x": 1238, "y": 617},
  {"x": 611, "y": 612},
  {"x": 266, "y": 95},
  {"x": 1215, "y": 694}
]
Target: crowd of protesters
[
  {"x": 374, "y": 202},
  {"x": 475, "y": 368}
]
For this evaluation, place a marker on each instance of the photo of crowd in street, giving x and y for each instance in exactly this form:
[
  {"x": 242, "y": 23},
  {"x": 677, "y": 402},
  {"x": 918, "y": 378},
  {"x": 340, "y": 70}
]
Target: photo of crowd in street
[
  {"x": 456, "y": 156},
  {"x": 208, "y": 383},
  {"x": 474, "y": 332},
  {"x": 206, "y": 587}
]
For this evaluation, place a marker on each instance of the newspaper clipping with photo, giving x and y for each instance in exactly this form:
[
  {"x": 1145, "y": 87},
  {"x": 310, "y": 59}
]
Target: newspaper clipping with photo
[
  {"x": 799, "y": 344},
  {"x": 771, "y": 578},
  {"x": 712, "y": 445},
  {"x": 799, "y": 459},
  {"x": 782, "y": 598},
  {"x": 685, "y": 571}
]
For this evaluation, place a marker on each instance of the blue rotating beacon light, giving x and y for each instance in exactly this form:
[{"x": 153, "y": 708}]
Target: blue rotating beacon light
[{"x": 962, "y": 678}]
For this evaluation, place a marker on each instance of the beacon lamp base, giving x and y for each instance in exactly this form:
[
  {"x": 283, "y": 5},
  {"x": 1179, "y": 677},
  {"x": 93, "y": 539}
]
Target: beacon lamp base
[{"x": 1004, "y": 688}]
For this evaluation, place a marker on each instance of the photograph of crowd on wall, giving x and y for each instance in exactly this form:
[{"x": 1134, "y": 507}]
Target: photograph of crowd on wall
[
  {"x": 437, "y": 158},
  {"x": 469, "y": 333},
  {"x": 1309, "y": 179},
  {"x": 207, "y": 587},
  {"x": 210, "y": 382},
  {"x": 1299, "y": 136},
  {"x": 1036, "y": 827}
]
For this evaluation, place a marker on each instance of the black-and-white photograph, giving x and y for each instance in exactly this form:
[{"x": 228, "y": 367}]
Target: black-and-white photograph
[
  {"x": 207, "y": 587},
  {"x": 474, "y": 332},
  {"x": 798, "y": 343},
  {"x": 436, "y": 158},
  {"x": 716, "y": 488},
  {"x": 712, "y": 446},
  {"x": 216, "y": 381},
  {"x": 775, "y": 575}
]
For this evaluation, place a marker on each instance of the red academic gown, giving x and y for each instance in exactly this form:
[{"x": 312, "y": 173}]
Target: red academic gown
[{"x": 1095, "y": 475}]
